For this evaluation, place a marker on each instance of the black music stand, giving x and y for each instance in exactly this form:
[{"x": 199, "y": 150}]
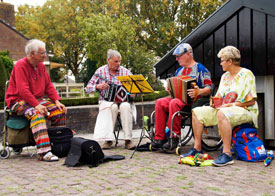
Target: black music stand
[{"x": 137, "y": 84}]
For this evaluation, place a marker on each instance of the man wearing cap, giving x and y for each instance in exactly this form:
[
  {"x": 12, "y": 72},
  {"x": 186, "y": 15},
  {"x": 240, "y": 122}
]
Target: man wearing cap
[{"x": 167, "y": 106}]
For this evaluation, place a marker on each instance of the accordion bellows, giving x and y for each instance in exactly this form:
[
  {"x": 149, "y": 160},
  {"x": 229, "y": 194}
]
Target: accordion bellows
[
  {"x": 178, "y": 87},
  {"x": 116, "y": 93}
]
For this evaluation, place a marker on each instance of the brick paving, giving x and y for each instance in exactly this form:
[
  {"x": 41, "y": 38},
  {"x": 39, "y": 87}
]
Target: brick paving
[{"x": 147, "y": 173}]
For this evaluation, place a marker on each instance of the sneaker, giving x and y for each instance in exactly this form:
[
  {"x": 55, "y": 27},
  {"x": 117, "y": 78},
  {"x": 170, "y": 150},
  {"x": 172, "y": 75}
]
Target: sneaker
[
  {"x": 231, "y": 150},
  {"x": 49, "y": 157},
  {"x": 223, "y": 160},
  {"x": 169, "y": 146},
  {"x": 192, "y": 152},
  {"x": 158, "y": 143},
  {"x": 129, "y": 145},
  {"x": 107, "y": 145}
]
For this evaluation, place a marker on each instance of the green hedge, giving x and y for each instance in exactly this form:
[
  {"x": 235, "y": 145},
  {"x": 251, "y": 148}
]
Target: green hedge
[
  {"x": 152, "y": 96},
  {"x": 80, "y": 101},
  {"x": 94, "y": 100}
]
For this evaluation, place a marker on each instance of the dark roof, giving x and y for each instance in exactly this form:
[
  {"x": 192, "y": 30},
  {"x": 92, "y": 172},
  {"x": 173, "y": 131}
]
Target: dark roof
[
  {"x": 247, "y": 24},
  {"x": 12, "y": 28}
]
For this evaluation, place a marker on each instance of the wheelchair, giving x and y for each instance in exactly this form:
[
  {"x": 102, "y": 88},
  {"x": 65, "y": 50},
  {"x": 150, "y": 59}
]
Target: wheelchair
[
  {"x": 16, "y": 132},
  {"x": 211, "y": 139}
]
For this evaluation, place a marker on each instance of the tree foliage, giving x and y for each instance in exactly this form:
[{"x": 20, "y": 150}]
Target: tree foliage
[
  {"x": 160, "y": 24},
  {"x": 87, "y": 71},
  {"x": 104, "y": 32},
  {"x": 57, "y": 74},
  {"x": 56, "y": 23},
  {"x": 139, "y": 29}
]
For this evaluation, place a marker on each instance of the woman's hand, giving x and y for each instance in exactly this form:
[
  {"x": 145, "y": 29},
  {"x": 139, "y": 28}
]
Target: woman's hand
[
  {"x": 211, "y": 102},
  {"x": 226, "y": 105}
]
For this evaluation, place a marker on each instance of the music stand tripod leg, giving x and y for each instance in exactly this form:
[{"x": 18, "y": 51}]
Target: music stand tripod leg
[{"x": 142, "y": 134}]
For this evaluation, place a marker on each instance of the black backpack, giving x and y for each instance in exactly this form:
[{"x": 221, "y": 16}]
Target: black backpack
[
  {"x": 86, "y": 151},
  {"x": 60, "y": 139}
]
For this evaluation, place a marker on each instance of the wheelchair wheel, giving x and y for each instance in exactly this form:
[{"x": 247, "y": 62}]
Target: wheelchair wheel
[
  {"x": 17, "y": 151},
  {"x": 151, "y": 148},
  {"x": 151, "y": 126},
  {"x": 5, "y": 153},
  {"x": 211, "y": 139},
  {"x": 186, "y": 137},
  {"x": 179, "y": 150}
]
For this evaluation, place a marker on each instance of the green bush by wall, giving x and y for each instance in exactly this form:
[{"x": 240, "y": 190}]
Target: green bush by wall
[
  {"x": 3, "y": 79},
  {"x": 94, "y": 100}
]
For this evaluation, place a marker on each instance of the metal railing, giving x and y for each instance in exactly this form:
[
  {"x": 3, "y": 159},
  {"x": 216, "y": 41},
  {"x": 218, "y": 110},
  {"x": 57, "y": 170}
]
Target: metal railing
[{"x": 70, "y": 90}]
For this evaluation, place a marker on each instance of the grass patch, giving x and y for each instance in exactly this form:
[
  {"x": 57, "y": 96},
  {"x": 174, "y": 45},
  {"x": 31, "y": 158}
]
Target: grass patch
[
  {"x": 184, "y": 187},
  {"x": 180, "y": 178},
  {"x": 126, "y": 176},
  {"x": 173, "y": 166},
  {"x": 159, "y": 189},
  {"x": 261, "y": 172},
  {"x": 190, "y": 183},
  {"x": 213, "y": 188},
  {"x": 151, "y": 181}
]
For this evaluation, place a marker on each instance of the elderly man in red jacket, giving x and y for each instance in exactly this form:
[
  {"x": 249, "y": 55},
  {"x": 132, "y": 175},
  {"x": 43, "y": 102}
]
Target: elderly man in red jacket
[{"x": 29, "y": 83}]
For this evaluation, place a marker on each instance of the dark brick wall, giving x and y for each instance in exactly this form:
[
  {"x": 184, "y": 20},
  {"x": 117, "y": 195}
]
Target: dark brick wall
[
  {"x": 12, "y": 41},
  {"x": 82, "y": 118},
  {"x": 7, "y": 13}
]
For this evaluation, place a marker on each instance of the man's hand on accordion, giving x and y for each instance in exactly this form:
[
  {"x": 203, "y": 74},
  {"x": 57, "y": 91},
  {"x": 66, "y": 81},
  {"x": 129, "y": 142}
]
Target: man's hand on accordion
[
  {"x": 102, "y": 86},
  {"x": 168, "y": 89},
  {"x": 194, "y": 92}
]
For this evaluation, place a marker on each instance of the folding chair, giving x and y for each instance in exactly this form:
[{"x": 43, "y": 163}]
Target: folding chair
[{"x": 117, "y": 128}]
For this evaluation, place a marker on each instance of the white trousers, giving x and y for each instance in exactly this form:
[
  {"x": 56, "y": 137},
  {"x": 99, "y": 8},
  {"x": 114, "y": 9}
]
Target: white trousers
[{"x": 107, "y": 117}]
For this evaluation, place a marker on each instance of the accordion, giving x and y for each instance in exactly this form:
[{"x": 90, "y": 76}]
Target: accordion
[
  {"x": 178, "y": 87},
  {"x": 116, "y": 93}
]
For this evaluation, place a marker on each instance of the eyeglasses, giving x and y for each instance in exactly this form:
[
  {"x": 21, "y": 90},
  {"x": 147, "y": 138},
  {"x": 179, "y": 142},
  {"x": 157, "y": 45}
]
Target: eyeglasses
[
  {"x": 42, "y": 53},
  {"x": 178, "y": 56},
  {"x": 223, "y": 61}
]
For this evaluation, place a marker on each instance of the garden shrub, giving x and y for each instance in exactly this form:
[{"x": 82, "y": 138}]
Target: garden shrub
[{"x": 3, "y": 79}]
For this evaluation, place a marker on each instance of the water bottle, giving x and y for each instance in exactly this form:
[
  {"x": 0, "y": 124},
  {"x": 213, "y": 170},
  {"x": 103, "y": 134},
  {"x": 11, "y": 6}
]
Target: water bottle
[
  {"x": 146, "y": 122},
  {"x": 167, "y": 133},
  {"x": 269, "y": 158}
]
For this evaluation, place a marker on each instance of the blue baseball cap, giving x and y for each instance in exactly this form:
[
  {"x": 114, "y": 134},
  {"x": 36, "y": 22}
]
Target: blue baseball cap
[{"x": 183, "y": 48}]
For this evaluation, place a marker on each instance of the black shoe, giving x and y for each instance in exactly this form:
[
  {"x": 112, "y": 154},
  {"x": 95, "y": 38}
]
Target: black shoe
[
  {"x": 158, "y": 143},
  {"x": 169, "y": 146}
]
